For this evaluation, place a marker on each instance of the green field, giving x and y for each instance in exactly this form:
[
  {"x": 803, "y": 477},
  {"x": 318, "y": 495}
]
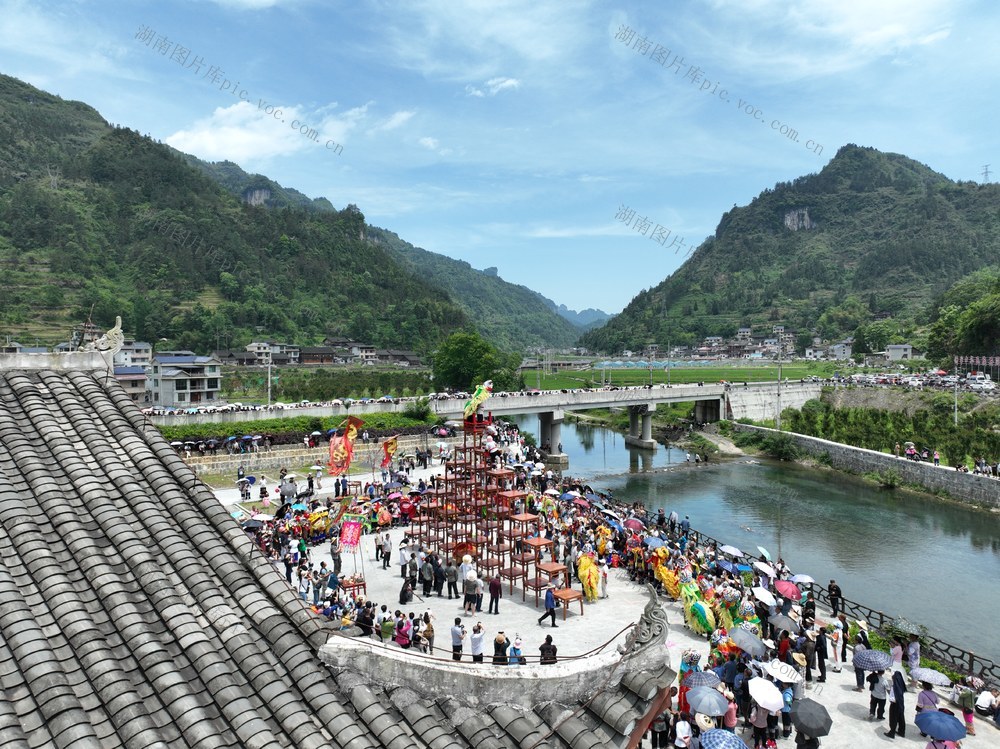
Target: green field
[{"x": 678, "y": 375}]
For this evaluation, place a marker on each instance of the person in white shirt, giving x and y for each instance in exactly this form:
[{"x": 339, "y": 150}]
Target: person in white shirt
[{"x": 476, "y": 643}]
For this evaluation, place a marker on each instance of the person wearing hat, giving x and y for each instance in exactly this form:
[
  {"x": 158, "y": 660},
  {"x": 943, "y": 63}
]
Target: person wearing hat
[
  {"x": 550, "y": 606},
  {"x": 859, "y": 673},
  {"x": 516, "y": 654},
  {"x": 500, "y": 645}
]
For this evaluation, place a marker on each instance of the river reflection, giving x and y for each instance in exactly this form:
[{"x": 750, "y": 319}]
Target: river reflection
[{"x": 934, "y": 562}]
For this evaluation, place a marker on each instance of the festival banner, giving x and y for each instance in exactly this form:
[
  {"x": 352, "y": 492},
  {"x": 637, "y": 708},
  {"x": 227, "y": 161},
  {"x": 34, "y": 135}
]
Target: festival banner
[
  {"x": 345, "y": 502},
  {"x": 389, "y": 448},
  {"x": 350, "y": 532},
  {"x": 342, "y": 446}
]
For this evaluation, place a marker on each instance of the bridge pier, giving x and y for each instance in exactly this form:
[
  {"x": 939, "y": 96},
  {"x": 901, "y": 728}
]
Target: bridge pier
[
  {"x": 641, "y": 436},
  {"x": 550, "y": 433},
  {"x": 708, "y": 411}
]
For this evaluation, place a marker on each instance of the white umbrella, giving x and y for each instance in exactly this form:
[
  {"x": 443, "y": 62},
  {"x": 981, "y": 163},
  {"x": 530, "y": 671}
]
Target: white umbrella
[
  {"x": 551, "y": 492},
  {"x": 262, "y": 516},
  {"x": 765, "y": 694},
  {"x": 731, "y": 550},
  {"x": 574, "y": 493},
  {"x": 536, "y": 473},
  {"x": 765, "y": 568},
  {"x": 316, "y": 468},
  {"x": 802, "y": 579},
  {"x": 764, "y": 596},
  {"x": 782, "y": 671}
]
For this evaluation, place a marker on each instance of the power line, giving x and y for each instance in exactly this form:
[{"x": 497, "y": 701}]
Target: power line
[{"x": 986, "y": 172}]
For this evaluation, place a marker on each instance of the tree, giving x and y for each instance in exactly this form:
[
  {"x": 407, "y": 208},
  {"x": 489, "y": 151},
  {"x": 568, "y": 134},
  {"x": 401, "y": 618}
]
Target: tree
[{"x": 464, "y": 360}]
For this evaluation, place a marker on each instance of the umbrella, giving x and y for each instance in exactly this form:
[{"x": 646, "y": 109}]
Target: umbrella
[
  {"x": 634, "y": 524},
  {"x": 701, "y": 679},
  {"x": 729, "y": 567},
  {"x": 299, "y": 508},
  {"x": 262, "y": 516},
  {"x": 766, "y": 694},
  {"x": 731, "y": 551},
  {"x": 782, "y": 622},
  {"x": 258, "y": 437},
  {"x": 248, "y": 436},
  {"x": 616, "y": 525},
  {"x": 592, "y": 498},
  {"x": 611, "y": 514},
  {"x": 415, "y": 493},
  {"x": 315, "y": 434},
  {"x": 290, "y": 476},
  {"x": 718, "y": 738},
  {"x": 940, "y": 726},
  {"x": 405, "y": 506},
  {"x": 788, "y": 589},
  {"x": 394, "y": 495},
  {"x": 904, "y": 625},
  {"x": 212, "y": 443},
  {"x": 570, "y": 495},
  {"x": 748, "y": 642},
  {"x": 176, "y": 444},
  {"x": 782, "y": 671},
  {"x": 802, "y": 579},
  {"x": 765, "y": 568},
  {"x": 764, "y": 596},
  {"x": 243, "y": 480},
  {"x": 930, "y": 676},
  {"x": 393, "y": 485},
  {"x": 811, "y": 718},
  {"x": 582, "y": 503},
  {"x": 872, "y": 660},
  {"x": 708, "y": 701},
  {"x": 551, "y": 492},
  {"x": 250, "y": 525},
  {"x": 316, "y": 468},
  {"x": 764, "y": 553},
  {"x": 653, "y": 542},
  {"x": 536, "y": 473},
  {"x": 230, "y": 439}
]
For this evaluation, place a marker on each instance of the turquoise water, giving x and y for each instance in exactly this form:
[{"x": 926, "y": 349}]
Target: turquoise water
[{"x": 936, "y": 563}]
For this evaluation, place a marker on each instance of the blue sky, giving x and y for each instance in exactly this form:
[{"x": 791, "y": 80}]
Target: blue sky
[{"x": 511, "y": 134}]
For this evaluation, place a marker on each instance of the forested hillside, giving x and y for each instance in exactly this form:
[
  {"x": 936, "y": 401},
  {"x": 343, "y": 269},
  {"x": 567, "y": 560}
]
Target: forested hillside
[
  {"x": 98, "y": 221},
  {"x": 872, "y": 235}
]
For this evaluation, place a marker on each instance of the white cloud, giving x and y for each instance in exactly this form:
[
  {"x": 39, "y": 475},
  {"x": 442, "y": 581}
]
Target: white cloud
[
  {"x": 246, "y": 132},
  {"x": 429, "y": 143},
  {"x": 496, "y": 85},
  {"x": 398, "y": 119}
]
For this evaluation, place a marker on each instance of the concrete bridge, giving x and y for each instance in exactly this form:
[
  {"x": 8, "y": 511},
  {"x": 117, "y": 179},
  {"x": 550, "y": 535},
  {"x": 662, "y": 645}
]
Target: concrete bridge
[{"x": 758, "y": 401}]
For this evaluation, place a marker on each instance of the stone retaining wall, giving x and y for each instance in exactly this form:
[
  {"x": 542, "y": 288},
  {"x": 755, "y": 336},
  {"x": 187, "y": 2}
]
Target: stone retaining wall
[
  {"x": 964, "y": 487},
  {"x": 293, "y": 456}
]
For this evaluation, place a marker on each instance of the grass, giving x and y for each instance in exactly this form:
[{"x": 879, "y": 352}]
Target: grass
[{"x": 678, "y": 375}]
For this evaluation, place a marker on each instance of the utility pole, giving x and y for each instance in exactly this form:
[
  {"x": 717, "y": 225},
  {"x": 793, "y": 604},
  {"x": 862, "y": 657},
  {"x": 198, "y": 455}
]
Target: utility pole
[
  {"x": 956, "y": 399},
  {"x": 269, "y": 378},
  {"x": 777, "y": 416},
  {"x": 986, "y": 172}
]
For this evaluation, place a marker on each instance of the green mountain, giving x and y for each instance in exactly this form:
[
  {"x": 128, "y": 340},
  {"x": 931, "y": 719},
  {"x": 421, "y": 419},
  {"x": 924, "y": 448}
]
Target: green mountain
[
  {"x": 872, "y": 235},
  {"x": 512, "y": 316},
  {"x": 98, "y": 221}
]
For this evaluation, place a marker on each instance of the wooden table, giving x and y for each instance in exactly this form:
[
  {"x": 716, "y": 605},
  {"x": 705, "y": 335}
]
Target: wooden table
[
  {"x": 350, "y": 587},
  {"x": 565, "y": 596},
  {"x": 512, "y": 574}
]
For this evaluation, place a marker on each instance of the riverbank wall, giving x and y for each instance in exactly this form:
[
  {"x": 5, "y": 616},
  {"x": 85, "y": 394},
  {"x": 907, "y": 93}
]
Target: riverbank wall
[{"x": 969, "y": 488}]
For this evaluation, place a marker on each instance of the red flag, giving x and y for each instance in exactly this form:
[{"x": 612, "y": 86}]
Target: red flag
[
  {"x": 389, "y": 448},
  {"x": 342, "y": 447}
]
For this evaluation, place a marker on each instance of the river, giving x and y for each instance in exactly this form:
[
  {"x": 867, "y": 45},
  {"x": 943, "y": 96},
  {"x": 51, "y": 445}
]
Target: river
[{"x": 936, "y": 563}]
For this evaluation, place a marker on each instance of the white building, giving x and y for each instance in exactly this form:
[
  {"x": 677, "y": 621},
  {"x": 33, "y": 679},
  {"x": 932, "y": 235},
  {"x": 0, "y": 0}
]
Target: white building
[{"x": 185, "y": 380}]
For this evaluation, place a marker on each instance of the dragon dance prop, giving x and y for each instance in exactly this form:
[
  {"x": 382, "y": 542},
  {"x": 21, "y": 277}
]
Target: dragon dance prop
[
  {"x": 590, "y": 575},
  {"x": 689, "y": 662},
  {"x": 342, "y": 446},
  {"x": 478, "y": 398}
]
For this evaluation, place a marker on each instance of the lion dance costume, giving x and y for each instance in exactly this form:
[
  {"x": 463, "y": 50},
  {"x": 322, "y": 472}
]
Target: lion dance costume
[{"x": 590, "y": 575}]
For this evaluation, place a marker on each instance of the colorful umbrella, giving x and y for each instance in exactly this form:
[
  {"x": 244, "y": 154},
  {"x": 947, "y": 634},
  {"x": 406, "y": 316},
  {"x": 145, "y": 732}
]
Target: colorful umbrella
[
  {"x": 634, "y": 524},
  {"x": 940, "y": 726},
  {"x": 811, "y": 718},
  {"x": 405, "y": 506},
  {"x": 653, "y": 542},
  {"x": 788, "y": 589},
  {"x": 394, "y": 495},
  {"x": 582, "y": 503},
  {"x": 764, "y": 553},
  {"x": 729, "y": 567},
  {"x": 802, "y": 579}
]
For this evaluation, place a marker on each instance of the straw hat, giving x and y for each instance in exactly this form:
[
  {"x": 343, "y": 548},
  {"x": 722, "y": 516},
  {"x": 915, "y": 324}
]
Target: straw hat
[
  {"x": 862, "y": 624},
  {"x": 799, "y": 658},
  {"x": 811, "y": 634},
  {"x": 769, "y": 643}
]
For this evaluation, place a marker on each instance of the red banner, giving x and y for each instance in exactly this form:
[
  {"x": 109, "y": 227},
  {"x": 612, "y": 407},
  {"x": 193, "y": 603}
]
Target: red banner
[
  {"x": 350, "y": 532},
  {"x": 389, "y": 448},
  {"x": 342, "y": 447}
]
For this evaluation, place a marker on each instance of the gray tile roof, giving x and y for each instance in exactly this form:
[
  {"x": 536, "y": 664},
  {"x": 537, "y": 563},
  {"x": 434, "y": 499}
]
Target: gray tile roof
[{"x": 134, "y": 612}]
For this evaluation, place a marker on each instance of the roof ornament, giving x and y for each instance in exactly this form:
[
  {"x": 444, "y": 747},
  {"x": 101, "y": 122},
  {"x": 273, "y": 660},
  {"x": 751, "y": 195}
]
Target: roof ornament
[
  {"x": 651, "y": 627},
  {"x": 109, "y": 344}
]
